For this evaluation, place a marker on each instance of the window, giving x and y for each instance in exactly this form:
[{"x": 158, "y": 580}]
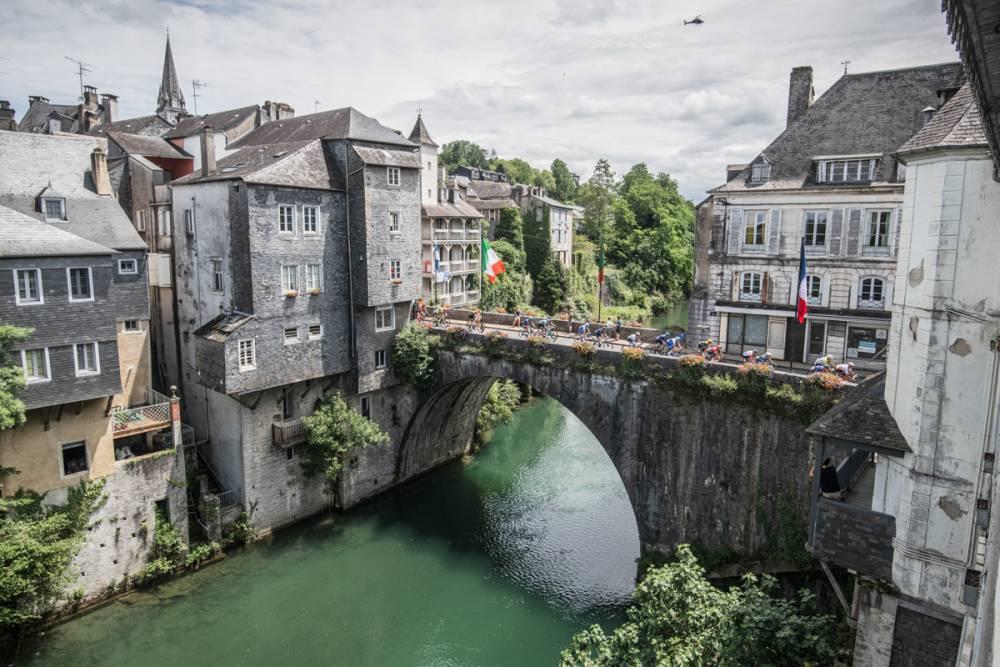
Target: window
[
  {"x": 289, "y": 278},
  {"x": 291, "y": 335},
  {"x": 366, "y": 407},
  {"x": 131, "y": 326},
  {"x": 760, "y": 172},
  {"x": 29, "y": 286},
  {"x": 87, "y": 360},
  {"x": 218, "y": 281},
  {"x": 866, "y": 342},
  {"x": 380, "y": 359},
  {"x": 140, "y": 220},
  {"x": 394, "y": 222},
  {"x": 80, "y": 284},
  {"x": 846, "y": 171},
  {"x": 750, "y": 286},
  {"x": 395, "y": 270},
  {"x": 877, "y": 235},
  {"x": 385, "y": 319},
  {"x": 310, "y": 220},
  {"x": 247, "y": 355},
  {"x": 872, "y": 293},
  {"x": 165, "y": 222},
  {"x": 189, "y": 221},
  {"x": 74, "y": 458},
  {"x": 392, "y": 176},
  {"x": 755, "y": 230},
  {"x": 54, "y": 209},
  {"x": 315, "y": 331},
  {"x": 815, "y": 233},
  {"x": 746, "y": 331},
  {"x": 128, "y": 266},
  {"x": 313, "y": 282},
  {"x": 814, "y": 290},
  {"x": 36, "y": 365},
  {"x": 286, "y": 219}
]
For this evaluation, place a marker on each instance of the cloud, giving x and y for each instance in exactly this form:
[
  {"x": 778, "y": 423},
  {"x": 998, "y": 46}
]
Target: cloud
[{"x": 539, "y": 79}]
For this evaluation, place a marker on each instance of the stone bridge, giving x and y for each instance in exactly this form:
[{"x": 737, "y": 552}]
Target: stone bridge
[{"x": 717, "y": 473}]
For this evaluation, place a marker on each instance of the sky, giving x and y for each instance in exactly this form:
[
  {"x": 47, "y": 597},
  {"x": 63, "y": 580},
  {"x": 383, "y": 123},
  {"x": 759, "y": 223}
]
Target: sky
[{"x": 539, "y": 79}]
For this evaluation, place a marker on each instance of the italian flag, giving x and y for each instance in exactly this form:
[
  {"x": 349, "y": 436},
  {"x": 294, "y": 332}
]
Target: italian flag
[{"x": 492, "y": 264}]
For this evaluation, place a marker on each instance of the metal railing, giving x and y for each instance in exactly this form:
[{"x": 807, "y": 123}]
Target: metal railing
[
  {"x": 166, "y": 439},
  {"x": 288, "y": 432},
  {"x": 227, "y": 499},
  {"x": 851, "y": 468},
  {"x": 155, "y": 414}
]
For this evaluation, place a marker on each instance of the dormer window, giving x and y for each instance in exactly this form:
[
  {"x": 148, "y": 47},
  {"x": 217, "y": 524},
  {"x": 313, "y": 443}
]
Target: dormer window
[
  {"x": 760, "y": 170},
  {"x": 860, "y": 170},
  {"x": 54, "y": 209}
]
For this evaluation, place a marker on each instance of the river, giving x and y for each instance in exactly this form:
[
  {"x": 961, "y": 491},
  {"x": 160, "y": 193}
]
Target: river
[{"x": 497, "y": 560}]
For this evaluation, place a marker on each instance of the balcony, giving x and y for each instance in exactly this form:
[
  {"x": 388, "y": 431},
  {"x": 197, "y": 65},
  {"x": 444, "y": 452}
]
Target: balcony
[
  {"x": 288, "y": 432},
  {"x": 153, "y": 415}
]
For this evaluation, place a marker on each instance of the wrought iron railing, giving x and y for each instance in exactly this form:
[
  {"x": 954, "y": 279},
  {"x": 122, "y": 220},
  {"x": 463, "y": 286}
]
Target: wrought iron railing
[
  {"x": 288, "y": 432},
  {"x": 227, "y": 499}
]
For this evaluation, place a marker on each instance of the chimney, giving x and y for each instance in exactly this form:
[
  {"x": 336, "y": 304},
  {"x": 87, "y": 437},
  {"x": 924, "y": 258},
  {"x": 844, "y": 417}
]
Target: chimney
[
  {"x": 800, "y": 93},
  {"x": 207, "y": 152},
  {"x": 90, "y": 97},
  {"x": 284, "y": 111},
  {"x": 99, "y": 172},
  {"x": 110, "y": 104},
  {"x": 32, "y": 99},
  {"x": 267, "y": 112},
  {"x": 7, "y": 117}
]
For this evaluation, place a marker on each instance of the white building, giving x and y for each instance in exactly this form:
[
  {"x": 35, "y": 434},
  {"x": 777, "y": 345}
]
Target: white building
[{"x": 830, "y": 180}]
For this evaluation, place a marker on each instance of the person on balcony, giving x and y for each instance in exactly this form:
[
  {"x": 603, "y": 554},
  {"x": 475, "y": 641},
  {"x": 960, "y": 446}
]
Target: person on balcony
[{"x": 829, "y": 484}]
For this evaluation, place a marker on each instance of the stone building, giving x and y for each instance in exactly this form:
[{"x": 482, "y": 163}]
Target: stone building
[
  {"x": 489, "y": 197},
  {"x": 73, "y": 270},
  {"x": 832, "y": 181},
  {"x": 917, "y": 447},
  {"x": 297, "y": 258},
  {"x": 451, "y": 231},
  {"x": 533, "y": 200}
]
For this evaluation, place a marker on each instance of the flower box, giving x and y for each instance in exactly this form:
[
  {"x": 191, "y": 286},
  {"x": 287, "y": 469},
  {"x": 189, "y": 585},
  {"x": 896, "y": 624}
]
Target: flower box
[
  {"x": 396, "y": 282},
  {"x": 315, "y": 291},
  {"x": 291, "y": 293}
]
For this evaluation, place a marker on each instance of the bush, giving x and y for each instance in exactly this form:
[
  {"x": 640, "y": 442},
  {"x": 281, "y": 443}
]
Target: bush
[
  {"x": 825, "y": 381},
  {"x": 585, "y": 350},
  {"x": 411, "y": 355},
  {"x": 719, "y": 385},
  {"x": 497, "y": 408},
  {"x": 633, "y": 361},
  {"x": 754, "y": 378},
  {"x": 537, "y": 341},
  {"x": 659, "y": 305},
  {"x": 332, "y": 432}
]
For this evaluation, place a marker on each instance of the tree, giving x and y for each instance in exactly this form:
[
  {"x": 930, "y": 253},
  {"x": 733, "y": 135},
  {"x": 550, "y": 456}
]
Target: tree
[
  {"x": 460, "y": 153},
  {"x": 411, "y": 355},
  {"x": 597, "y": 196},
  {"x": 510, "y": 228},
  {"x": 564, "y": 188},
  {"x": 11, "y": 377},
  {"x": 332, "y": 432},
  {"x": 497, "y": 408},
  {"x": 517, "y": 170},
  {"x": 544, "y": 179},
  {"x": 679, "y": 618},
  {"x": 551, "y": 287},
  {"x": 537, "y": 239}
]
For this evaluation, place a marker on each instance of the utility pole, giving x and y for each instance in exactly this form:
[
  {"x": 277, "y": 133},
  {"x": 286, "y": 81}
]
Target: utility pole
[
  {"x": 196, "y": 85},
  {"x": 81, "y": 67}
]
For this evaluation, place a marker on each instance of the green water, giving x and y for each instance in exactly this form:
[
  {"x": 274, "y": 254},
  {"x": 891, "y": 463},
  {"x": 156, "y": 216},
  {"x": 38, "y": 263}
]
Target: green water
[
  {"x": 497, "y": 561},
  {"x": 677, "y": 317}
]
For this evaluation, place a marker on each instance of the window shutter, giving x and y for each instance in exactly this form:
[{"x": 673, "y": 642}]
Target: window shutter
[
  {"x": 774, "y": 232},
  {"x": 734, "y": 287},
  {"x": 763, "y": 288},
  {"x": 836, "y": 230},
  {"x": 735, "y": 231},
  {"x": 821, "y": 172},
  {"x": 853, "y": 246},
  {"x": 898, "y": 216}
]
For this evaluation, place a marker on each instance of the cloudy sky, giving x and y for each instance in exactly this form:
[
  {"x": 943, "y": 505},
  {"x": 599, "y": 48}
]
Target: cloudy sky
[{"x": 539, "y": 79}]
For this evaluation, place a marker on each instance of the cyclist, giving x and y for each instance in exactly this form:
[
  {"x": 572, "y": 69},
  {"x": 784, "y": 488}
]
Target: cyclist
[
  {"x": 634, "y": 340},
  {"x": 583, "y": 331}
]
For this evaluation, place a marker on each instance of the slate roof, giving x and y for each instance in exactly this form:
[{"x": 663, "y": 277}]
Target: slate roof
[
  {"x": 459, "y": 209},
  {"x": 295, "y": 164},
  {"x": 489, "y": 204},
  {"x": 135, "y": 144},
  {"x": 346, "y": 123},
  {"x": 420, "y": 135},
  {"x": 490, "y": 189},
  {"x": 863, "y": 419},
  {"x": 389, "y": 158},
  {"x": 24, "y": 236},
  {"x": 150, "y": 126},
  {"x": 551, "y": 202},
  {"x": 957, "y": 124},
  {"x": 171, "y": 96},
  {"x": 61, "y": 164},
  {"x": 219, "y": 121},
  {"x": 870, "y": 113},
  {"x": 222, "y": 326},
  {"x": 36, "y": 118}
]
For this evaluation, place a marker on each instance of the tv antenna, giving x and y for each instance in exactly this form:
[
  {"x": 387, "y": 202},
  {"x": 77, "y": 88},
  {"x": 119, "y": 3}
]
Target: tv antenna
[
  {"x": 196, "y": 85},
  {"x": 81, "y": 68},
  {"x": 315, "y": 106},
  {"x": 845, "y": 62}
]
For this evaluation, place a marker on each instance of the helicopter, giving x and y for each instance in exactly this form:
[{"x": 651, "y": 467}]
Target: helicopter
[{"x": 697, "y": 20}]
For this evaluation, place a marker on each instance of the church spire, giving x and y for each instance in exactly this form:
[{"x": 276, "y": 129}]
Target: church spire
[
  {"x": 170, "y": 103},
  {"x": 420, "y": 135}
]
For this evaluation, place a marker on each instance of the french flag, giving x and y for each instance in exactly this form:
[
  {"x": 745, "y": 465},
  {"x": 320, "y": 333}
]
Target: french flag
[{"x": 802, "y": 307}]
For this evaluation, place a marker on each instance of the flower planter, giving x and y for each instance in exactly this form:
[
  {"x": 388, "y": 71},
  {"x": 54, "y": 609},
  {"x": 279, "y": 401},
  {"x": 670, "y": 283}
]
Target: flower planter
[
  {"x": 290, "y": 294},
  {"x": 314, "y": 292}
]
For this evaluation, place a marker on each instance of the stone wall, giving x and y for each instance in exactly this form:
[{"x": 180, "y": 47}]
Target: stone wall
[
  {"x": 120, "y": 536},
  {"x": 697, "y": 471}
]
